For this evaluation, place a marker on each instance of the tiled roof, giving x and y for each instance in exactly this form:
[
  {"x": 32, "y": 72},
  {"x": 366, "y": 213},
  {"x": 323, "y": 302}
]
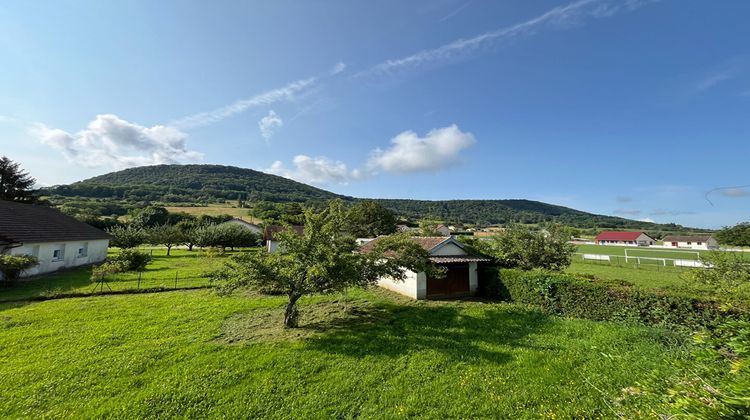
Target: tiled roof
[
  {"x": 692, "y": 238},
  {"x": 458, "y": 259},
  {"x": 427, "y": 242},
  {"x": 25, "y": 223},
  {"x": 618, "y": 236}
]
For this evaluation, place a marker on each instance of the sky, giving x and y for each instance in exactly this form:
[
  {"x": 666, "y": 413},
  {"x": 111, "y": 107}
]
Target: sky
[{"x": 633, "y": 108}]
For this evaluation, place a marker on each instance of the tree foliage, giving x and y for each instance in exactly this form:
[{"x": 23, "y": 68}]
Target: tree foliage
[
  {"x": 225, "y": 236},
  {"x": 738, "y": 235},
  {"x": 167, "y": 235},
  {"x": 12, "y": 266},
  {"x": 130, "y": 260},
  {"x": 520, "y": 247},
  {"x": 369, "y": 219},
  {"x": 127, "y": 236},
  {"x": 15, "y": 183},
  {"x": 727, "y": 270},
  {"x": 322, "y": 260}
]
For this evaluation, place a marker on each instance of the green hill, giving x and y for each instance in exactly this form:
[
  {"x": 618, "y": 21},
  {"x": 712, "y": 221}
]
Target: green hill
[{"x": 206, "y": 184}]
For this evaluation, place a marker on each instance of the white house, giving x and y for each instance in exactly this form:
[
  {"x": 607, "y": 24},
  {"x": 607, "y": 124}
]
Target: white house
[
  {"x": 624, "y": 239},
  {"x": 252, "y": 227},
  {"x": 691, "y": 242},
  {"x": 55, "y": 239},
  {"x": 461, "y": 276}
]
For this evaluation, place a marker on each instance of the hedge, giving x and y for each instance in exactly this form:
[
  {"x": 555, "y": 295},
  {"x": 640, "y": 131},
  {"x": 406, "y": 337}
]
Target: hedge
[{"x": 568, "y": 295}]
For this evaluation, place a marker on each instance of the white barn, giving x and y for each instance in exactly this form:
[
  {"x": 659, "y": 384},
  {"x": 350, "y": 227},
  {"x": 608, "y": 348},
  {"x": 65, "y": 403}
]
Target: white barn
[
  {"x": 55, "y": 239},
  {"x": 461, "y": 276},
  {"x": 691, "y": 242}
]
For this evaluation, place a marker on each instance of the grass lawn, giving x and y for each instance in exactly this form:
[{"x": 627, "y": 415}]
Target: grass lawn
[
  {"x": 684, "y": 254},
  {"x": 190, "y": 268},
  {"x": 649, "y": 278},
  {"x": 215, "y": 210},
  {"x": 195, "y": 354}
]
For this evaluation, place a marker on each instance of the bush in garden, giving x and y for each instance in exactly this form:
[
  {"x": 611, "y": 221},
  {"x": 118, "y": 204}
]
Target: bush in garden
[
  {"x": 12, "y": 266},
  {"x": 131, "y": 260}
]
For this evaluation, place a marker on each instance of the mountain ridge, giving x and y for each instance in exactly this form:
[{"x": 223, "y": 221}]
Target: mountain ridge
[{"x": 207, "y": 183}]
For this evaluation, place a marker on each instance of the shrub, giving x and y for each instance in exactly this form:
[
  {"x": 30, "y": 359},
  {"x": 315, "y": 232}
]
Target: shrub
[
  {"x": 568, "y": 295},
  {"x": 105, "y": 269},
  {"x": 716, "y": 377},
  {"x": 131, "y": 260},
  {"x": 12, "y": 266},
  {"x": 520, "y": 247}
]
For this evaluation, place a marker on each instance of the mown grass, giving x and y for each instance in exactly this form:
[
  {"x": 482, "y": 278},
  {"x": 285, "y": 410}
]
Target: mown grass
[
  {"x": 194, "y": 354},
  {"x": 668, "y": 280},
  {"x": 684, "y": 254},
  {"x": 182, "y": 269},
  {"x": 214, "y": 210}
]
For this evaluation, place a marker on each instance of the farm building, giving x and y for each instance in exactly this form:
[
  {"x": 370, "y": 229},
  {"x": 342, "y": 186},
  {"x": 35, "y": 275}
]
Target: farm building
[
  {"x": 624, "y": 239},
  {"x": 271, "y": 230},
  {"x": 461, "y": 277},
  {"x": 691, "y": 242},
  {"x": 252, "y": 227},
  {"x": 57, "y": 240}
]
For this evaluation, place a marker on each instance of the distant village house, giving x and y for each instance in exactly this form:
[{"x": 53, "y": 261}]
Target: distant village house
[
  {"x": 691, "y": 242},
  {"x": 55, "y": 239},
  {"x": 624, "y": 239},
  {"x": 252, "y": 227}
]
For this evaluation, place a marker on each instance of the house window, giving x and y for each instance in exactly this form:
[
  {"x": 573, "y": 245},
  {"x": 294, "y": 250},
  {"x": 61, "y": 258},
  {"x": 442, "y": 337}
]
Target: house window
[
  {"x": 690, "y": 243},
  {"x": 57, "y": 255},
  {"x": 83, "y": 251},
  {"x": 699, "y": 243}
]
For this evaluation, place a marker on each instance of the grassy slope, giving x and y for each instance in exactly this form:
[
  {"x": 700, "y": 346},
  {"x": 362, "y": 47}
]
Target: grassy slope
[{"x": 195, "y": 354}]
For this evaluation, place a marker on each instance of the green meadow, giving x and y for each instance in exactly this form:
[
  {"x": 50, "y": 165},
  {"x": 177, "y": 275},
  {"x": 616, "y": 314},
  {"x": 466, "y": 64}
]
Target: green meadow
[{"x": 375, "y": 354}]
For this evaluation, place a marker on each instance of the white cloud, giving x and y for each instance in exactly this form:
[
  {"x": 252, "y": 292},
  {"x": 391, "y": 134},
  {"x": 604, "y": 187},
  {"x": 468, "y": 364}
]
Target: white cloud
[
  {"x": 267, "y": 98},
  {"x": 409, "y": 153},
  {"x": 735, "y": 192},
  {"x": 111, "y": 141},
  {"x": 269, "y": 124},
  {"x": 338, "y": 68},
  {"x": 317, "y": 170},
  {"x": 558, "y": 17},
  {"x": 647, "y": 219}
]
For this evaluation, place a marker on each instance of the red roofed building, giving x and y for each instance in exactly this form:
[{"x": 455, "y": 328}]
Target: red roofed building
[{"x": 624, "y": 239}]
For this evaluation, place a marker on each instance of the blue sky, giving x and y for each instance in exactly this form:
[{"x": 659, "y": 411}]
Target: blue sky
[{"x": 634, "y": 108}]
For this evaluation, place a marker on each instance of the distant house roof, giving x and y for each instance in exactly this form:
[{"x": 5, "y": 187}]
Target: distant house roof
[
  {"x": 270, "y": 231},
  {"x": 427, "y": 242},
  {"x": 25, "y": 223},
  {"x": 237, "y": 220},
  {"x": 618, "y": 236},
  {"x": 690, "y": 238}
]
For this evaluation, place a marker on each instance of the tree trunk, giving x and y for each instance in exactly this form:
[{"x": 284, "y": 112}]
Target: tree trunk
[
  {"x": 169, "y": 248},
  {"x": 190, "y": 247},
  {"x": 291, "y": 314}
]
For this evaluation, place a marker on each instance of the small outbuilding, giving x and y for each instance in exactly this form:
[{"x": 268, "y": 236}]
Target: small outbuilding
[
  {"x": 55, "y": 239},
  {"x": 691, "y": 242},
  {"x": 624, "y": 239},
  {"x": 461, "y": 270},
  {"x": 270, "y": 232}
]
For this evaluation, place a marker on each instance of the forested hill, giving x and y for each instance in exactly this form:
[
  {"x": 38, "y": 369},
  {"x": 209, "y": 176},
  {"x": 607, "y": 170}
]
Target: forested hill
[
  {"x": 205, "y": 184},
  {"x": 192, "y": 184}
]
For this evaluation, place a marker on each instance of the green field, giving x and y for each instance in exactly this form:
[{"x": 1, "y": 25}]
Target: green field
[
  {"x": 650, "y": 274},
  {"x": 194, "y": 354},
  {"x": 182, "y": 269}
]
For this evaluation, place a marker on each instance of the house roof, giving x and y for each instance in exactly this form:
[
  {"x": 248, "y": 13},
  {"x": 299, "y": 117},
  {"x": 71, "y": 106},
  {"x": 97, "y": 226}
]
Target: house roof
[
  {"x": 271, "y": 230},
  {"x": 458, "y": 259},
  {"x": 27, "y": 223},
  {"x": 690, "y": 238},
  {"x": 618, "y": 236},
  {"x": 242, "y": 221},
  {"x": 427, "y": 242}
]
